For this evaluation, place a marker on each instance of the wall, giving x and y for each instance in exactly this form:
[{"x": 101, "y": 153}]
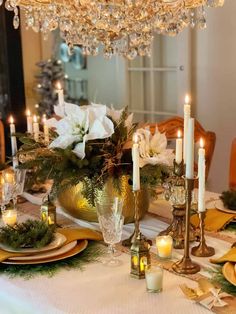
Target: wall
[
  {"x": 214, "y": 86},
  {"x": 34, "y": 49}
]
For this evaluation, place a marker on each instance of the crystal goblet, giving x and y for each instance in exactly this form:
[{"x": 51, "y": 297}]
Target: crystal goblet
[{"x": 111, "y": 223}]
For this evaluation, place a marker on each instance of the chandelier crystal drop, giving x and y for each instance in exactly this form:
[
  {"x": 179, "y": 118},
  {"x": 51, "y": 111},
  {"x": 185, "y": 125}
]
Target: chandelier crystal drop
[{"x": 124, "y": 27}]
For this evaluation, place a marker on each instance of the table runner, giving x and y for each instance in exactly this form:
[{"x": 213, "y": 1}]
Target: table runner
[{"x": 98, "y": 289}]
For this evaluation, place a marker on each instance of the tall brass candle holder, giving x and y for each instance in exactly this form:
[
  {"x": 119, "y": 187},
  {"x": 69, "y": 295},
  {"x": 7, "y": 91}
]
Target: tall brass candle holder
[
  {"x": 128, "y": 242},
  {"x": 202, "y": 250},
  {"x": 186, "y": 265},
  {"x": 176, "y": 230}
]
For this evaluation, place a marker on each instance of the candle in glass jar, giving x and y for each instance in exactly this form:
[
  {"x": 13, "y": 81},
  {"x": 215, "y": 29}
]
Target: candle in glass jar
[
  {"x": 29, "y": 122},
  {"x": 164, "y": 246},
  {"x": 154, "y": 278},
  {"x": 187, "y": 113},
  {"x": 201, "y": 177},
  {"x": 135, "y": 159},
  {"x": 9, "y": 217},
  {"x": 36, "y": 128},
  {"x": 179, "y": 149}
]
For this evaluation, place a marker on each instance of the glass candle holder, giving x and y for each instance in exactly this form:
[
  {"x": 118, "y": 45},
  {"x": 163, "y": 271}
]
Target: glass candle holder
[
  {"x": 9, "y": 217},
  {"x": 154, "y": 278},
  {"x": 164, "y": 246}
]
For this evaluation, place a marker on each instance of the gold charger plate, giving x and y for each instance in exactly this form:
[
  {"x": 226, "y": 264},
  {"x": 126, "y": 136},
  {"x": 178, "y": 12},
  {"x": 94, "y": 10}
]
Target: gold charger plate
[
  {"x": 81, "y": 245},
  {"x": 48, "y": 254},
  {"x": 58, "y": 241},
  {"x": 229, "y": 273},
  {"x": 220, "y": 206}
]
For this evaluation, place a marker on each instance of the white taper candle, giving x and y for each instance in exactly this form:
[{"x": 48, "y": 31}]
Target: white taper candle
[
  {"x": 13, "y": 143},
  {"x": 187, "y": 114},
  {"x": 29, "y": 122},
  {"x": 136, "y": 170},
  {"x": 45, "y": 130},
  {"x": 201, "y": 177},
  {"x": 190, "y": 150},
  {"x": 179, "y": 149},
  {"x": 60, "y": 93},
  {"x": 36, "y": 128}
]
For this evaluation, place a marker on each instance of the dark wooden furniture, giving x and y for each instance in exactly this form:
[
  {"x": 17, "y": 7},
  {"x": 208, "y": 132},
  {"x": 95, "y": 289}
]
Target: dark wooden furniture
[{"x": 232, "y": 166}]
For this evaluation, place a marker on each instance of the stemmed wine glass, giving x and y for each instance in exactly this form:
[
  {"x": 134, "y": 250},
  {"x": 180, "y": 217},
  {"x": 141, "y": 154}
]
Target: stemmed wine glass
[
  {"x": 111, "y": 223},
  {"x": 13, "y": 184}
]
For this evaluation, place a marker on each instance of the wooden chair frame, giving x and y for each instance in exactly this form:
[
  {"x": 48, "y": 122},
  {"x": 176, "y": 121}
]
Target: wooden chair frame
[
  {"x": 171, "y": 126},
  {"x": 2, "y": 143}
]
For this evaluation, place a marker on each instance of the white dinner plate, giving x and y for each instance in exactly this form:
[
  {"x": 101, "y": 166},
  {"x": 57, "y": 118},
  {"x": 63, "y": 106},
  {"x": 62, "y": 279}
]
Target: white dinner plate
[
  {"x": 58, "y": 241},
  {"x": 220, "y": 206},
  {"x": 79, "y": 247},
  {"x": 62, "y": 250}
]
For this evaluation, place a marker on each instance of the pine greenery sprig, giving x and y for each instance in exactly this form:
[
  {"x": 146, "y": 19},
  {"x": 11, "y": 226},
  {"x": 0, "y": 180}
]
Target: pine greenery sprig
[
  {"x": 29, "y": 234},
  {"x": 92, "y": 254},
  {"x": 104, "y": 158},
  {"x": 229, "y": 199},
  {"x": 219, "y": 279}
]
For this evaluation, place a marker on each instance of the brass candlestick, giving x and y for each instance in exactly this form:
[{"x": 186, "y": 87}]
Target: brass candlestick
[
  {"x": 202, "y": 250},
  {"x": 177, "y": 227},
  {"x": 128, "y": 242},
  {"x": 186, "y": 265}
]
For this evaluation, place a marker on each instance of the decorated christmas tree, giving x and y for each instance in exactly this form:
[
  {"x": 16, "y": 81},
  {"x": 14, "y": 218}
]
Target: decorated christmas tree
[{"x": 51, "y": 72}]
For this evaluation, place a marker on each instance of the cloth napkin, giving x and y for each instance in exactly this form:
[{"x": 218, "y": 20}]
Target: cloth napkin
[
  {"x": 73, "y": 234},
  {"x": 70, "y": 234},
  {"x": 230, "y": 256},
  {"x": 215, "y": 219}
]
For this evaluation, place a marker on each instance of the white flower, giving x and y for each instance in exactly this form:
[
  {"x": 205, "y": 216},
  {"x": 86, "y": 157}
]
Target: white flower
[
  {"x": 79, "y": 125},
  {"x": 116, "y": 115},
  {"x": 153, "y": 149}
]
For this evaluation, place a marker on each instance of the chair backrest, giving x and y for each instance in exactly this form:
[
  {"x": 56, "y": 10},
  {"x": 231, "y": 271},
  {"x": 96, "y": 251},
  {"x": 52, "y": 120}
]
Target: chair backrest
[
  {"x": 2, "y": 143},
  {"x": 171, "y": 127},
  {"x": 232, "y": 167}
]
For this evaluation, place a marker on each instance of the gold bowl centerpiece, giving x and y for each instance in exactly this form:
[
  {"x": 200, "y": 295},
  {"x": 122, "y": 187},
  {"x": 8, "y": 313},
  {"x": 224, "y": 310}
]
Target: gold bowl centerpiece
[
  {"x": 88, "y": 157},
  {"x": 77, "y": 205}
]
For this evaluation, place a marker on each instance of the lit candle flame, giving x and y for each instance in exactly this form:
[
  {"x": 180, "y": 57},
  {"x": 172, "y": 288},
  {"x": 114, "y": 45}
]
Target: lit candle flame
[
  {"x": 35, "y": 119},
  {"x": 11, "y": 120},
  {"x": 179, "y": 134},
  {"x": 135, "y": 138},
  {"x": 58, "y": 85},
  {"x": 201, "y": 143},
  {"x": 28, "y": 113},
  {"x": 44, "y": 118},
  {"x": 187, "y": 99}
]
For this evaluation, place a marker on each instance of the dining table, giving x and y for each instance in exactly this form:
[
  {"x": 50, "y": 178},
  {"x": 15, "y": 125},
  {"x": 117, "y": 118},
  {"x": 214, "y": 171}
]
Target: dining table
[{"x": 101, "y": 289}]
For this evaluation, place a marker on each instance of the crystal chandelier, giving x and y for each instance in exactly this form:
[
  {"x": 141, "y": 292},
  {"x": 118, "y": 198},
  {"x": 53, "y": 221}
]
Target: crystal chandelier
[{"x": 124, "y": 27}]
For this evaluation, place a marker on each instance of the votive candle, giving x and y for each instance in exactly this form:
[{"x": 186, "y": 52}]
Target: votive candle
[
  {"x": 154, "y": 278},
  {"x": 164, "y": 246},
  {"x": 9, "y": 217},
  {"x": 201, "y": 177}
]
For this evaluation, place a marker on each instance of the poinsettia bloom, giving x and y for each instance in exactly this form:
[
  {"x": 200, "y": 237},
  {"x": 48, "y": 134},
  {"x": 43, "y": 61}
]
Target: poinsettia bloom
[
  {"x": 116, "y": 116},
  {"x": 153, "y": 149},
  {"x": 79, "y": 125}
]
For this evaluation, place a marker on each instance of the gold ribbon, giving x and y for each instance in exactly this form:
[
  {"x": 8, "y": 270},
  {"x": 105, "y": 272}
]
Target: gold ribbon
[{"x": 205, "y": 294}]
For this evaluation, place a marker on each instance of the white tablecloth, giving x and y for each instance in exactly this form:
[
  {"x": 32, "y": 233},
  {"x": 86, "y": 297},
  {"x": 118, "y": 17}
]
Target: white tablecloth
[{"x": 99, "y": 289}]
